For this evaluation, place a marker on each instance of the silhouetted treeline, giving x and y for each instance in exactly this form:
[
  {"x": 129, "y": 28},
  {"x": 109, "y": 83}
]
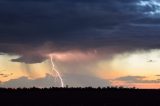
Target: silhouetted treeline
[{"x": 111, "y": 96}]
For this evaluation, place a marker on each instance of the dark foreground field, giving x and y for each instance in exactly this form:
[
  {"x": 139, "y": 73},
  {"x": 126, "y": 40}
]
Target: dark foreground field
[{"x": 79, "y": 97}]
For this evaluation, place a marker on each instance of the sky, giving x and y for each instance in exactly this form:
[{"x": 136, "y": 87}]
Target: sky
[{"x": 92, "y": 42}]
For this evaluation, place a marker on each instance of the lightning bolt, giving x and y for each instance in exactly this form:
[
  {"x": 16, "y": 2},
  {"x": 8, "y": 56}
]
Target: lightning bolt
[{"x": 57, "y": 72}]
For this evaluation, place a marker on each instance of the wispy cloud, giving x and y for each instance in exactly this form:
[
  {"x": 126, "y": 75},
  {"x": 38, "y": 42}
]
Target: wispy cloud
[{"x": 136, "y": 79}]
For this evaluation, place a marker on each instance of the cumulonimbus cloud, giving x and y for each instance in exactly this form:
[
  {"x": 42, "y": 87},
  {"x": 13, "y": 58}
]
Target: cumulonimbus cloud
[{"x": 26, "y": 26}]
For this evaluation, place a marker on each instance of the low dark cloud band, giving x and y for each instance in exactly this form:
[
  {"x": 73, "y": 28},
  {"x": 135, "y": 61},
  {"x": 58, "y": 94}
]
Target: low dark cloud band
[{"x": 80, "y": 24}]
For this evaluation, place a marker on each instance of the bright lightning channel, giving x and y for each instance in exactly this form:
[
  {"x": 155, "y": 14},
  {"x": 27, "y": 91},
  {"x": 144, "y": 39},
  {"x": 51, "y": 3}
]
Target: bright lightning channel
[{"x": 57, "y": 72}]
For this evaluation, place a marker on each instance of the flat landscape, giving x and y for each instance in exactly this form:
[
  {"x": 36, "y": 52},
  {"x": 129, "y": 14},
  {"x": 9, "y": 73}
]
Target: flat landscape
[{"x": 79, "y": 97}]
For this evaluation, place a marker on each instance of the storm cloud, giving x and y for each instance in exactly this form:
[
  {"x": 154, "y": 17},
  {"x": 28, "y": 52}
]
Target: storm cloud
[{"x": 32, "y": 28}]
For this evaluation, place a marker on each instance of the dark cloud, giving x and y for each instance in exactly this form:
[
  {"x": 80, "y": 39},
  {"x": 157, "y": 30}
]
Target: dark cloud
[
  {"x": 30, "y": 59},
  {"x": 27, "y": 25},
  {"x": 5, "y": 75},
  {"x": 136, "y": 79}
]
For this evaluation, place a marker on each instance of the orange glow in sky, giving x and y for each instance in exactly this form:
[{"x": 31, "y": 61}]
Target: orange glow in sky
[{"x": 126, "y": 64}]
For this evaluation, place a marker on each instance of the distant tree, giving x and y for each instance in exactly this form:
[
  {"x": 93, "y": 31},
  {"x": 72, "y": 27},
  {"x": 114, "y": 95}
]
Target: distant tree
[
  {"x": 121, "y": 87},
  {"x": 67, "y": 86}
]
